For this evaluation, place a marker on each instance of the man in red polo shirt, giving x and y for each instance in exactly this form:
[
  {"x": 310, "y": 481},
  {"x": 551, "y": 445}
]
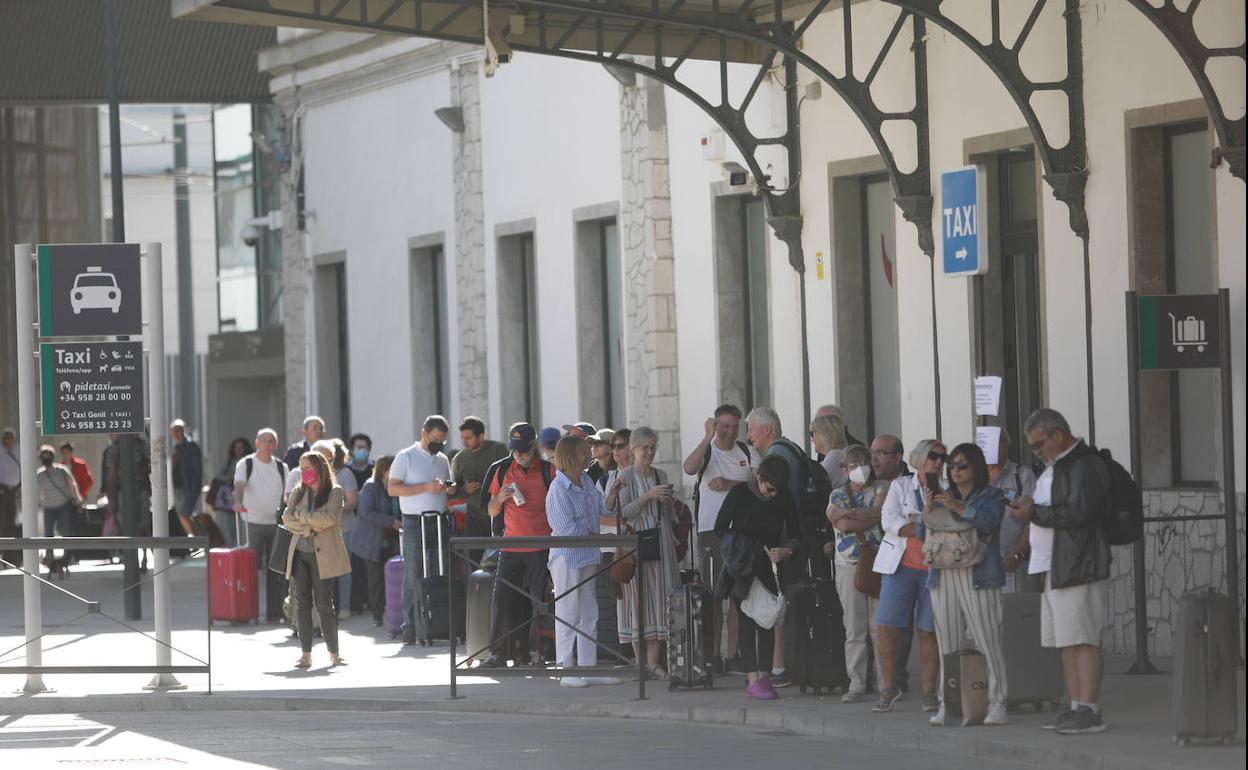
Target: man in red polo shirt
[
  {"x": 517, "y": 486},
  {"x": 78, "y": 467}
]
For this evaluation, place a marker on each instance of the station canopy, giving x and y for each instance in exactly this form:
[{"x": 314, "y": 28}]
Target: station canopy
[{"x": 716, "y": 30}]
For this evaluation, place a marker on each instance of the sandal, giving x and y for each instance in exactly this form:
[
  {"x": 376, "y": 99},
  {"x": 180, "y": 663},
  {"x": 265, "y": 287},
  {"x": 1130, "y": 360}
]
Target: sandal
[
  {"x": 304, "y": 662},
  {"x": 336, "y": 660}
]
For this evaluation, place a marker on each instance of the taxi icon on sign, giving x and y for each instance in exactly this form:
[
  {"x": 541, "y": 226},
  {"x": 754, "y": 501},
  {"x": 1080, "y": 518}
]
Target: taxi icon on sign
[{"x": 95, "y": 290}]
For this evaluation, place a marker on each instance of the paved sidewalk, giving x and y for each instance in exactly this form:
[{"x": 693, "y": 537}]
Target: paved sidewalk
[{"x": 252, "y": 671}]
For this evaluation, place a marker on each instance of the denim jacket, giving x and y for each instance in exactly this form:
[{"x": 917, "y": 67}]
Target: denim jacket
[{"x": 985, "y": 509}]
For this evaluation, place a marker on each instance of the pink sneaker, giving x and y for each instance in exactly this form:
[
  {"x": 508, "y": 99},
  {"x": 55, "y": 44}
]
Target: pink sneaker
[{"x": 761, "y": 690}]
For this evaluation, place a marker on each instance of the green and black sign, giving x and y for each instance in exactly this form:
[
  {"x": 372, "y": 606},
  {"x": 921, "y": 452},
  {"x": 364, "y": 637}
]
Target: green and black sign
[
  {"x": 90, "y": 290},
  {"x": 1179, "y": 331},
  {"x": 91, "y": 387}
]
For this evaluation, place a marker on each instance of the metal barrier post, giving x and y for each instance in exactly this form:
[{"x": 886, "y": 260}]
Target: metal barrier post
[
  {"x": 450, "y": 600},
  {"x": 1228, "y": 451},
  {"x": 641, "y": 624},
  {"x": 28, "y": 435},
  {"x": 160, "y": 471}
]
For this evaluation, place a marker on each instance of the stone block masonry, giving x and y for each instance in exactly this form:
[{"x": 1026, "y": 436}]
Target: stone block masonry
[{"x": 473, "y": 372}]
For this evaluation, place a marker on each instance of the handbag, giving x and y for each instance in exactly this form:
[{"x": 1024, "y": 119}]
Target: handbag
[
  {"x": 866, "y": 579},
  {"x": 648, "y": 547},
  {"x": 624, "y": 567},
  {"x": 762, "y": 606},
  {"x": 951, "y": 542},
  {"x": 280, "y": 553}
]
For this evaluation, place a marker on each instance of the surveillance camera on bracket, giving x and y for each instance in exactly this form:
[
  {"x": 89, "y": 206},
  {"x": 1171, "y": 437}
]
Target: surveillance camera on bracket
[{"x": 735, "y": 173}]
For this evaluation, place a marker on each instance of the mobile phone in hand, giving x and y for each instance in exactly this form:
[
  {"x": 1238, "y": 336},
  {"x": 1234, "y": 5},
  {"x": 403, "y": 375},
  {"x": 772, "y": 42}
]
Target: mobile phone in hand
[{"x": 932, "y": 480}]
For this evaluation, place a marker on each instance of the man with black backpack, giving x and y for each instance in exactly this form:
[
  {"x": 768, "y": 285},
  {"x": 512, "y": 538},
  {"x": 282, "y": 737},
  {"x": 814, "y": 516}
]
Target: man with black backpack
[
  {"x": 259, "y": 486},
  {"x": 1072, "y": 503},
  {"x": 515, "y": 489},
  {"x": 719, "y": 462}
]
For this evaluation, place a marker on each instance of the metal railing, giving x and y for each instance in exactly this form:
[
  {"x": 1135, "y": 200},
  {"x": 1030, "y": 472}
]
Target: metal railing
[
  {"x": 460, "y": 546},
  {"x": 194, "y": 544}
]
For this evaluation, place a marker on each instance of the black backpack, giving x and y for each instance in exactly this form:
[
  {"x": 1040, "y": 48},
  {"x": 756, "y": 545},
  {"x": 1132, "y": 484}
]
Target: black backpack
[
  {"x": 817, "y": 488},
  {"x": 1124, "y": 522}
]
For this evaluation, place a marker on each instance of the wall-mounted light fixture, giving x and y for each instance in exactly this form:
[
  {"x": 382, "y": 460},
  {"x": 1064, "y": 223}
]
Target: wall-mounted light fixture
[{"x": 451, "y": 117}]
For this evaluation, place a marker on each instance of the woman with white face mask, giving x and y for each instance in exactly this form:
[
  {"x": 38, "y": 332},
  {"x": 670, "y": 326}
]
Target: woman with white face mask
[{"x": 856, "y": 528}]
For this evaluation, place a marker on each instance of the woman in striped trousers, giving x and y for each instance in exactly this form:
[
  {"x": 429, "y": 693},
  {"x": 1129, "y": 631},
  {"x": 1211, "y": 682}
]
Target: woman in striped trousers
[{"x": 972, "y": 593}]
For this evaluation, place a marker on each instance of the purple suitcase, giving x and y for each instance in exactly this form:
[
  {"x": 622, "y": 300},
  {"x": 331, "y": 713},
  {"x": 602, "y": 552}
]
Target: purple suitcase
[{"x": 394, "y": 596}]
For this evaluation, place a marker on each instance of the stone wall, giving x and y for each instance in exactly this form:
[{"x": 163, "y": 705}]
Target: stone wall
[
  {"x": 1180, "y": 557},
  {"x": 296, "y": 283},
  {"x": 649, "y": 275},
  {"x": 473, "y": 380}
]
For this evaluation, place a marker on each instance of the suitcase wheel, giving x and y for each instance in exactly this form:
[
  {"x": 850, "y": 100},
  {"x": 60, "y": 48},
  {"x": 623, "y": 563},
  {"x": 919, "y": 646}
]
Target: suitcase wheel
[{"x": 802, "y": 689}]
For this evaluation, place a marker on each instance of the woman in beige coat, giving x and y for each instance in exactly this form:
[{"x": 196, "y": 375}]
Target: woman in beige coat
[{"x": 317, "y": 553}]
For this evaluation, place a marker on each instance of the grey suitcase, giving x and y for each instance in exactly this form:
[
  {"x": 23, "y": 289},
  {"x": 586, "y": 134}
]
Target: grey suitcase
[
  {"x": 689, "y": 638},
  {"x": 1206, "y": 668},
  {"x": 480, "y": 590},
  {"x": 1034, "y": 673}
]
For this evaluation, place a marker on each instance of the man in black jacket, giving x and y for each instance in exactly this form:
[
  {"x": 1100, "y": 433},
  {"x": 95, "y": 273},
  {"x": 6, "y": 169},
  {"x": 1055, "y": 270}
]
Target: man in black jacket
[{"x": 1068, "y": 542}]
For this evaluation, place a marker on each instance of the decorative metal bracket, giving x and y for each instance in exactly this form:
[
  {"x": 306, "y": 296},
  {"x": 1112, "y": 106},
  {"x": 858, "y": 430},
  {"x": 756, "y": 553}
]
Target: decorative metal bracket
[
  {"x": 614, "y": 32},
  {"x": 1066, "y": 167},
  {"x": 1180, "y": 29}
]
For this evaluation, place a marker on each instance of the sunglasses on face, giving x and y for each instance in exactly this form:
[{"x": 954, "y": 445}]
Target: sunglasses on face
[
  {"x": 934, "y": 455},
  {"x": 960, "y": 466}
]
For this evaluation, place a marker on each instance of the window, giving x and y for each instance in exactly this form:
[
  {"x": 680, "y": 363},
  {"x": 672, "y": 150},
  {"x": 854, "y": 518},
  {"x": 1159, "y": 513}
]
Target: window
[
  {"x": 333, "y": 360},
  {"x": 431, "y": 376},
  {"x": 865, "y": 286},
  {"x": 741, "y": 279},
  {"x": 600, "y": 327},
  {"x": 1173, "y": 254},
  {"x": 517, "y": 317},
  {"x": 1007, "y": 296}
]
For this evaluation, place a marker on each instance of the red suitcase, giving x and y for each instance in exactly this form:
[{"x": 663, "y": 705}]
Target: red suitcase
[{"x": 234, "y": 590}]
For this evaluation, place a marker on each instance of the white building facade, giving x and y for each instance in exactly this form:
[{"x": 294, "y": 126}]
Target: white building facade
[{"x": 556, "y": 244}]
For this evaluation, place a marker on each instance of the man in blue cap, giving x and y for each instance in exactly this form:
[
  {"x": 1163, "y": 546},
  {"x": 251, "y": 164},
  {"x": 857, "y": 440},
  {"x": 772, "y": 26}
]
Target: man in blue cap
[
  {"x": 515, "y": 488},
  {"x": 546, "y": 441}
]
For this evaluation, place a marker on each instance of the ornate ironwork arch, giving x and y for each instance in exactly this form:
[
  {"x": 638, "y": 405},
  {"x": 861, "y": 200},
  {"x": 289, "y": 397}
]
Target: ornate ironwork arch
[
  {"x": 1066, "y": 167},
  {"x": 671, "y": 32},
  {"x": 1179, "y": 27}
]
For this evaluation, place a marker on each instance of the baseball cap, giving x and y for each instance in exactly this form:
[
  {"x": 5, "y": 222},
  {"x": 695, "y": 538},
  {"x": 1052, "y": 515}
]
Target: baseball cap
[
  {"x": 548, "y": 437},
  {"x": 521, "y": 437},
  {"x": 584, "y": 427},
  {"x": 603, "y": 436}
]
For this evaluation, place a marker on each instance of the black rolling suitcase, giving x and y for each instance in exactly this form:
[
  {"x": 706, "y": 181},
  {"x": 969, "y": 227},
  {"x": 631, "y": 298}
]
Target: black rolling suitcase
[
  {"x": 814, "y": 636},
  {"x": 431, "y": 592},
  {"x": 1206, "y": 668},
  {"x": 1034, "y": 672},
  {"x": 689, "y": 638},
  {"x": 88, "y": 521}
]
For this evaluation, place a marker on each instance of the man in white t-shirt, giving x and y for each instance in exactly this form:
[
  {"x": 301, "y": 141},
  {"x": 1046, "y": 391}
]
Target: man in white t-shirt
[
  {"x": 719, "y": 462},
  {"x": 259, "y": 481},
  {"x": 420, "y": 478}
]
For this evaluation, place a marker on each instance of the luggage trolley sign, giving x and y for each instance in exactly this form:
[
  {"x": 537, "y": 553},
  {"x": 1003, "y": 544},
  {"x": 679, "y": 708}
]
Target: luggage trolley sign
[
  {"x": 90, "y": 289},
  {"x": 91, "y": 387},
  {"x": 1179, "y": 331}
]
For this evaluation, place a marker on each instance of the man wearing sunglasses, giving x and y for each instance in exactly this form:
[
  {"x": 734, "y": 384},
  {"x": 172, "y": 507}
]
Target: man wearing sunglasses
[{"x": 1068, "y": 543}]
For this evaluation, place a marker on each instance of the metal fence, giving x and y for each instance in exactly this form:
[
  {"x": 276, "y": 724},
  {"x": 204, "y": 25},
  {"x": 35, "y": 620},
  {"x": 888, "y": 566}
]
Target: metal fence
[
  {"x": 626, "y": 545},
  {"x": 198, "y": 546}
]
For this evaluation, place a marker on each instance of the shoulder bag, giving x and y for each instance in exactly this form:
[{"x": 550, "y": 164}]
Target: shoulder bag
[
  {"x": 951, "y": 542},
  {"x": 866, "y": 579}
]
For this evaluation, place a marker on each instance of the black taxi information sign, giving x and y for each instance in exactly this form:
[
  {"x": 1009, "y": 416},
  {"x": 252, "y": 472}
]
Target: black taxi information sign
[
  {"x": 91, "y": 387},
  {"x": 89, "y": 290}
]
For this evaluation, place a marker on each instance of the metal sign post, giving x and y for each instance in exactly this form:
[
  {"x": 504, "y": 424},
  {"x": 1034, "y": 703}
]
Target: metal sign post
[
  {"x": 160, "y": 471},
  {"x": 28, "y": 433},
  {"x": 1169, "y": 332}
]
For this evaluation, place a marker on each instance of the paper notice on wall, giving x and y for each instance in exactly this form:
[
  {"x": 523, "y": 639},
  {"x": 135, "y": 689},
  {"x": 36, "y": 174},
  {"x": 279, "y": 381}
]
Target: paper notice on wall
[
  {"x": 988, "y": 439},
  {"x": 987, "y": 396}
]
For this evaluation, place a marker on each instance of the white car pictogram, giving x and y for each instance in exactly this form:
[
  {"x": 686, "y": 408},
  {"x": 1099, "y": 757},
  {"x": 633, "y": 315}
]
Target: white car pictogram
[{"x": 95, "y": 290}]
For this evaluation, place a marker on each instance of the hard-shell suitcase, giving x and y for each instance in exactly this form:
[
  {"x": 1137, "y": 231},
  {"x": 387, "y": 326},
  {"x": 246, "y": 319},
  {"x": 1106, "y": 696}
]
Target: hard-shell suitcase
[
  {"x": 431, "y": 592},
  {"x": 88, "y": 521},
  {"x": 480, "y": 590},
  {"x": 690, "y": 641},
  {"x": 1206, "y": 663},
  {"x": 814, "y": 636},
  {"x": 1034, "y": 672},
  {"x": 234, "y": 590},
  {"x": 394, "y": 595}
]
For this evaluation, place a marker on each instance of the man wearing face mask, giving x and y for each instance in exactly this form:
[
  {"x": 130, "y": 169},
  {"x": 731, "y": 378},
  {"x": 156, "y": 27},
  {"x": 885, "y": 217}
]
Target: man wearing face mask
[
  {"x": 515, "y": 488},
  {"x": 361, "y": 465},
  {"x": 420, "y": 478},
  {"x": 58, "y": 495}
]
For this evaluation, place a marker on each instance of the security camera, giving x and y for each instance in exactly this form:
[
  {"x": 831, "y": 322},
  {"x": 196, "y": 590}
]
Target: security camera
[
  {"x": 250, "y": 235},
  {"x": 735, "y": 173}
]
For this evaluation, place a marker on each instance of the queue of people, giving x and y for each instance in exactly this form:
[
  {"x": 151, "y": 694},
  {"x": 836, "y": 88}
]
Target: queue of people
[{"x": 900, "y": 534}]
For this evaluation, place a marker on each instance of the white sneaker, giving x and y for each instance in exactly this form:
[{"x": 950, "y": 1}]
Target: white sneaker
[
  {"x": 603, "y": 680},
  {"x": 996, "y": 715},
  {"x": 938, "y": 719},
  {"x": 853, "y": 696},
  {"x": 573, "y": 681}
]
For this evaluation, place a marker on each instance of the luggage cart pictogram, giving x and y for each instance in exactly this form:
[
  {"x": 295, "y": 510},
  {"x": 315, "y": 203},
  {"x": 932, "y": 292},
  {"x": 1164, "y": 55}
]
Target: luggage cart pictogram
[{"x": 1187, "y": 331}]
